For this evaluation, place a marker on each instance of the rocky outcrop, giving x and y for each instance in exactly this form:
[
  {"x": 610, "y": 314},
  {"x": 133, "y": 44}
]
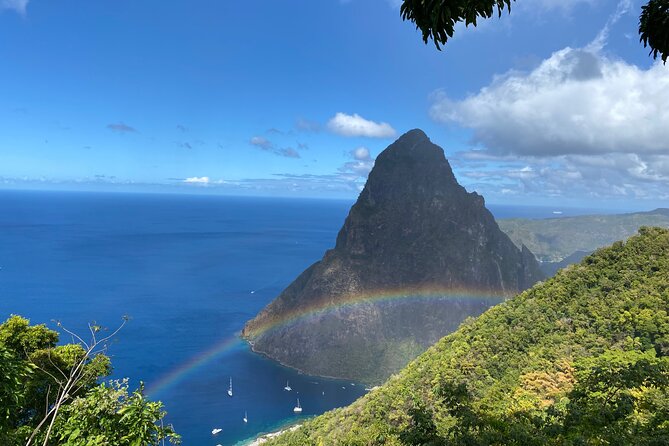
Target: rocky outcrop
[{"x": 413, "y": 231}]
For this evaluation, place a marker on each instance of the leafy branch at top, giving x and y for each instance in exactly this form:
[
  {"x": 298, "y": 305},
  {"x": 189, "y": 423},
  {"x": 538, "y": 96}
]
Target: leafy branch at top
[{"x": 436, "y": 19}]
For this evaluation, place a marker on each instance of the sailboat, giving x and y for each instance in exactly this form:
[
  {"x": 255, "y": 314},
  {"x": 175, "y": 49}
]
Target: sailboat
[
  {"x": 246, "y": 417},
  {"x": 230, "y": 389},
  {"x": 298, "y": 408},
  {"x": 288, "y": 388}
]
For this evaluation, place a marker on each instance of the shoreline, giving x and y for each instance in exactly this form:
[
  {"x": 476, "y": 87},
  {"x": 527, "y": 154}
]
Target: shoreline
[
  {"x": 302, "y": 372},
  {"x": 263, "y": 438}
]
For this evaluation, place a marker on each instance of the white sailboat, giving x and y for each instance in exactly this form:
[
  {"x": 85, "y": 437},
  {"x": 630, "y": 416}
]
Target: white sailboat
[
  {"x": 246, "y": 417},
  {"x": 288, "y": 388},
  {"x": 230, "y": 389},
  {"x": 216, "y": 430},
  {"x": 298, "y": 408}
]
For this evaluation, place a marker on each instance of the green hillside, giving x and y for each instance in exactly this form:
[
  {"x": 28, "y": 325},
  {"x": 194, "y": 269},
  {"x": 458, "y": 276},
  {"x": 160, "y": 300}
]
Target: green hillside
[
  {"x": 554, "y": 239},
  {"x": 578, "y": 359}
]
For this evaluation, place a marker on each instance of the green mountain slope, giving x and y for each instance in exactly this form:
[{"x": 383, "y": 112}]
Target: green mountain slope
[
  {"x": 554, "y": 239},
  {"x": 578, "y": 359}
]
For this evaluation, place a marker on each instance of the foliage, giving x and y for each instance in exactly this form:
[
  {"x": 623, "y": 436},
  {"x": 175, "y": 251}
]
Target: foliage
[
  {"x": 654, "y": 28},
  {"x": 49, "y": 393},
  {"x": 436, "y": 19},
  {"x": 14, "y": 372},
  {"x": 620, "y": 397},
  {"x": 581, "y": 359},
  {"x": 107, "y": 415},
  {"x": 23, "y": 339}
]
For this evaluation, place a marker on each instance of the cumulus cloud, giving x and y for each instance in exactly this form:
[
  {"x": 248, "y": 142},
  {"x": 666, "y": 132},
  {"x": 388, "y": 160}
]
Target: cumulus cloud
[
  {"x": 121, "y": 128},
  {"x": 360, "y": 169},
  {"x": 581, "y": 124},
  {"x": 20, "y": 6},
  {"x": 361, "y": 154},
  {"x": 361, "y": 165},
  {"x": 576, "y": 102},
  {"x": 197, "y": 180},
  {"x": 356, "y": 125}
]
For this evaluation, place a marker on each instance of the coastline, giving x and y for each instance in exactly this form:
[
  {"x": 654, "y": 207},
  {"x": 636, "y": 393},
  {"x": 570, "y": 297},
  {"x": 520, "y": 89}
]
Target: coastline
[
  {"x": 266, "y": 437},
  {"x": 302, "y": 372}
]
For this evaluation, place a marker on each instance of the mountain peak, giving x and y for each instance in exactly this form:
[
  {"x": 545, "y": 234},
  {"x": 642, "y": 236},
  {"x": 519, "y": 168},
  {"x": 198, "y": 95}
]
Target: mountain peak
[
  {"x": 412, "y": 228},
  {"x": 415, "y": 144},
  {"x": 411, "y": 166},
  {"x": 413, "y": 135}
]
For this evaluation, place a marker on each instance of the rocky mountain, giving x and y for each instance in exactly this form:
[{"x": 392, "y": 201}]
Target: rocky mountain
[
  {"x": 414, "y": 231},
  {"x": 580, "y": 359}
]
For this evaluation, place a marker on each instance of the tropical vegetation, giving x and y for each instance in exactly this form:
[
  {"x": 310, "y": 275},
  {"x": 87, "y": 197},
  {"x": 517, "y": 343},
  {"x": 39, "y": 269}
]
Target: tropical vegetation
[
  {"x": 51, "y": 394},
  {"x": 580, "y": 359}
]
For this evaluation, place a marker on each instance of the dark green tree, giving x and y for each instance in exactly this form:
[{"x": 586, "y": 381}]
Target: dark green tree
[
  {"x": 620, "y": 397},
  {"x": 654, "y": 28},
  {"x": 436, "y": 19},
  {"x": 50, "y": 394}
]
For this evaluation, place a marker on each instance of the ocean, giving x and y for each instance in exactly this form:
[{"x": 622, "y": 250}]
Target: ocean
[{"x": 189, "y": 271}]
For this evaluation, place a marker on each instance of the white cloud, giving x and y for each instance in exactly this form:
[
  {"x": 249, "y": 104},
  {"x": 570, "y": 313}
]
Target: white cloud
[
  {"x": 576, "y": 102},
  {"x": 356, "y": 125},
  {"x": 581, "y": 126},
  {"x": 197, "y": 180},
  {"x": 359, "y": 168},
  {"x": 581, "y": 177},
  {"x": 20, "y": 6},
  {"x": 361, "y": 154}
]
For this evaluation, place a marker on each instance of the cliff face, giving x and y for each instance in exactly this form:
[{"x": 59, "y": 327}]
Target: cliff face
[{"x": 413, "y": 228}]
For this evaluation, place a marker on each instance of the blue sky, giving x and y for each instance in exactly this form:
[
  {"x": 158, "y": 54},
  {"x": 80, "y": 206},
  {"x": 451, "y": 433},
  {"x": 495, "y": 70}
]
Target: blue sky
[{"x": 556, "y": 103}]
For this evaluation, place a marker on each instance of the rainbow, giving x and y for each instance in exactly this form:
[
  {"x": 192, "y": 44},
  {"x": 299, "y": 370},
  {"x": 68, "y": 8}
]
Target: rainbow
[
  {"x": 262, "y": 323},
  {"x": 180, "y": 372}
]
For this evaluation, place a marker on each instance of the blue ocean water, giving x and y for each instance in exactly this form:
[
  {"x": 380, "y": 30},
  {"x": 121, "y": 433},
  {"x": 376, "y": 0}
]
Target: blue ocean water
[{"x": 189, "y": 271}]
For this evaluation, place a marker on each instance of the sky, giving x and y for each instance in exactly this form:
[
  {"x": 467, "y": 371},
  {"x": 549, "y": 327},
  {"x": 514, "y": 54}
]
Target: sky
[{"x": 556, "y": 103}]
